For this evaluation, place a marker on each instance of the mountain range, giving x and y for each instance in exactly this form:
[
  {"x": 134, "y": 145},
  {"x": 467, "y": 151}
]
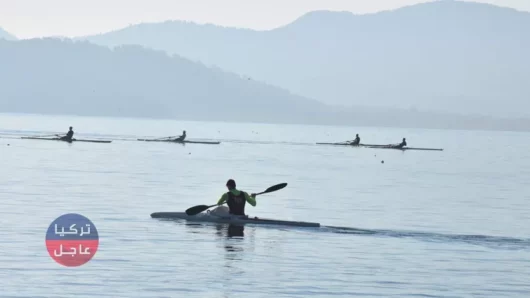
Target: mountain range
[
  {"x": 444, "y": 56},
  {"x": 409, "y": 67},
  {"x": 54, "y": 76}
]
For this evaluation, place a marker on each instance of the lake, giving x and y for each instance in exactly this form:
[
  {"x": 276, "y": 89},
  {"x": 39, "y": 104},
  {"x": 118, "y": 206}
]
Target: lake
[{"x": 452, "y": 223}]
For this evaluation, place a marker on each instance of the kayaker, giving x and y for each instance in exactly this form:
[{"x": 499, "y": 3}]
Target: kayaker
[
  {"x": 402, "y": 144},
  {"x": 356, "y": 141},
  {"x": 182, "y": 137},
  {"x": 69, "y": 135},
  {"x": 235, "y": 200}
]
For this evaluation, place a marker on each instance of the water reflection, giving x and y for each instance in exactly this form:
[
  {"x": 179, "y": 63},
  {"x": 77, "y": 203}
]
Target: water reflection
[
  {"x": 231, "y": 236},
  {"x": 222, "y": 230},
  {"x": 233, "y": 241},
  {"x": 230, "y": 231}
]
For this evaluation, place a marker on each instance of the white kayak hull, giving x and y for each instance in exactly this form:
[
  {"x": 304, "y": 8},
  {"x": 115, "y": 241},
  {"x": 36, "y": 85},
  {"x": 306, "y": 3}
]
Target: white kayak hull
[
  {"x": 380, "y": 146},
  {"x": 73, "y": 140},
  {"x": 181, "y": 142},
  {"x": 205, "y": 217}
]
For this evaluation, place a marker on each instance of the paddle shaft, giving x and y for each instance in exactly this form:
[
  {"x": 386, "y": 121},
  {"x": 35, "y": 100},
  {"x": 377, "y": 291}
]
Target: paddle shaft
[
  {"x": 254, "y": 195},
  {"x": 260, "y": 193},
  {"x": 200, "y": 208},
  {"x": 204, "y": 207}
]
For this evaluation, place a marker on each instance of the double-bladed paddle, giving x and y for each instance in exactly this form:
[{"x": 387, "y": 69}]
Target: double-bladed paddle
[{"x": 200, "y": 208}]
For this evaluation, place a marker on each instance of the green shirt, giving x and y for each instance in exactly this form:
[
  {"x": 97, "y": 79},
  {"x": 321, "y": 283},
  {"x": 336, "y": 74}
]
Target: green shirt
[{"x": 250, "y": 200}]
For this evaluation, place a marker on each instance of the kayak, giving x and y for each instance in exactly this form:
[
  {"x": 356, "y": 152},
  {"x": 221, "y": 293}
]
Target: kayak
[
  {"x": 404, "y": 148},
  {"x": 338, "y": 144},
  {"x": 73, "y": 140},
  {"x": 205, "y": 217},
  {"x": 349, "y": 144},
  {"x": 380, "y": 146},
  {"x": 180, "y": 142}
]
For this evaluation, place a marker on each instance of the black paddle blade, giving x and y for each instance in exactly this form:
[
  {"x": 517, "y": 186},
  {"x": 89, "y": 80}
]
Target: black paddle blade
[
  {"x": 197, "y": 209},
  {"x": 275, "y": 187}
]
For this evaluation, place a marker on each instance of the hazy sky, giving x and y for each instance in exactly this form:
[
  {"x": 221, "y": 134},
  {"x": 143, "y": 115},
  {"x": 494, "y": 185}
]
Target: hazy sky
[{"x": 35, "y": 18}]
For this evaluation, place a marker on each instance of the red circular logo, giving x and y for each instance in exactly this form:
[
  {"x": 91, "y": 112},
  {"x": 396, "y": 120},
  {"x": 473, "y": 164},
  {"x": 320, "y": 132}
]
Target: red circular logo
[{"x": 72, "y": 240}]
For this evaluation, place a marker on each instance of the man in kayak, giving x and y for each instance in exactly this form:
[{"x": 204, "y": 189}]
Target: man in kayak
[
  {"x": 356, "y": 141},
  {"x": 235, "y": 200},
  {"x": 402, "y": 144},
  {"x": 182, "y": 137},
  {"x": 69, "y": 135}
]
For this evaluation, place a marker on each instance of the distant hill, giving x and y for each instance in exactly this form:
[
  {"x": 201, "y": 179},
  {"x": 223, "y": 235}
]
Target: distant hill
[
  {"x": 6, "y": 35},
  {"x": 62, "y": 76},
  {"x": 446, "y": 56},
  {"x": 53, "y": 76}
]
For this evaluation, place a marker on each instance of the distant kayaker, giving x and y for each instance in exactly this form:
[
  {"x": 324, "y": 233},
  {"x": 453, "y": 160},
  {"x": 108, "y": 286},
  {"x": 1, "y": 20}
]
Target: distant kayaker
[
  {"x": 402, "y": 144},
  {"x": 235, "y": 200},
  {"x": 69, "y": 135},
  {"x": 356, "y": 141},
  {"x": 182, "y": 137}
]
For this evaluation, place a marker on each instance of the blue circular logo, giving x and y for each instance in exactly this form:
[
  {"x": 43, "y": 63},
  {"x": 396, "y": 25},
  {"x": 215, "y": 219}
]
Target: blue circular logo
[{"x": 72, "y": 240}]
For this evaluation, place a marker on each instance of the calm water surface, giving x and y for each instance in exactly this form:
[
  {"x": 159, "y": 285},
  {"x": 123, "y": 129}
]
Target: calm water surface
[{"x": 422, "y": 224}]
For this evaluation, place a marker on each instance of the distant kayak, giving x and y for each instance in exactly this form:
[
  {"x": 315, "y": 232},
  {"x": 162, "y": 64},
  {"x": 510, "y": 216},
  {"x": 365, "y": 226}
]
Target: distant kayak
[
  {"x": 339, "y": 144},
  {"x": 73, "y": 140},
  {"x": 403, "y": 148},
  {"x": 180, "y": 142},
  {"x": 352, "y": 145},
  {"x": 206, "y": 217},
  {"x": 380, "y": 146}
]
